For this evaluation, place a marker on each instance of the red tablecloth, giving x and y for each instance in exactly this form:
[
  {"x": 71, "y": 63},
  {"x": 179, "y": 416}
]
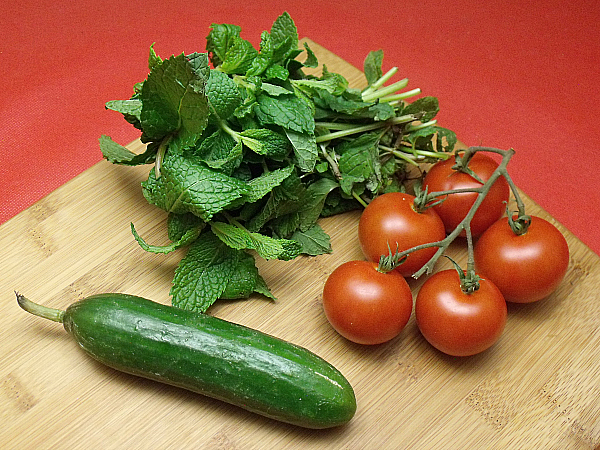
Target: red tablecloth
[{"x": 506, "y": 74}]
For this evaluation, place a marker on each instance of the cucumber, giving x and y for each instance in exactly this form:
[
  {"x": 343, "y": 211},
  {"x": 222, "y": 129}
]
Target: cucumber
[{"x": 207, "y": 355}]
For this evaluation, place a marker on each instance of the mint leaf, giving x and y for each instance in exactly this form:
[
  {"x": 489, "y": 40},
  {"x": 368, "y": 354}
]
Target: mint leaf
[
  {"x": 424, "y": 109},
  {"x": 446, "y": 139},
  {"x": 359, "y": 161},
  {"x": 284, "y": 199},
  {"x": 274, "y": 90},
  {"x": 244, "y": 279},
  {"x": 287, "y": 111},
  {"x": 179, "y": 224},
  {"x": 239, "y": 56},
  {"x": 315, "y": 197},
  {"x": 262, "y": 288},
  {"x": 186, "y": 239},
  {"x": 260, "y": 186},
  {"x": 153, "y": 59},
  {"x": 284, "y": 34},
  {"x": 219, "y": 40},
  {"x": 311, "y": 59},
  {"x": 203, "y": 274},
  {"x": 117, "y": 154},
  {"x": 223, "y": 95},
  {"x": 305, "y": 149},
  {"x": 267, "y": 247},
  {"x": 264, "y": 57},
  {"x": 277, "y": 71},
  {"x": 266, "y": 142},
  {"x": 372, "y": 66},
  {"x": 173, "y": 100},
  {"x": 314, "y": 241},
  {"x": 131, "y": 109},
  {"x": 220, "y": 151},
  {"x": 187, "y": 184},
  {"x": 199, "y": 64}
]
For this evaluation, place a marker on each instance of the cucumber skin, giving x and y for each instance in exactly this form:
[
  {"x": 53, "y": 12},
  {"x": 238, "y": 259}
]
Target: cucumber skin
[{"x": 213, "y": 357}]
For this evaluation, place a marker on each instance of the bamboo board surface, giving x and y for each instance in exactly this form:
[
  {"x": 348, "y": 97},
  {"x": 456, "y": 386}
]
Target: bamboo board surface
[{"x": 537, "y": 388}]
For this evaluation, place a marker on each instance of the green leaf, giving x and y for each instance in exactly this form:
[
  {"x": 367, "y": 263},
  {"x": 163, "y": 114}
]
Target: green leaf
[
  {"x": 314, "y": 241},
  {"x": 186, "y": 184},
  {"x": 262, "y": 288},
  {"x": 186, "y": 239},
  {"x": 199, "y": 63},
  {"x": 305, "y": 149},
  {"x": 284, "y": 34},
  {"x": 278, "y": 72},
  {"x": 266, "y": 142},
  {"x": 260, "y": 186},
  {"x": 153, "y": 59},
  {"x": 424, "y": 109},
  {"x": 220, "y": 151},
  {"x": 315, "y": 197},
  {"x": 284, "y": 199},
  {"x": 117, "y": 154},
  {"x": 131, "y": 108},
  {"x": 287, "y": 111},
  {"x": 204, "y": 273},
  {"x": 173, "y": 100},
  {"x": 372, "y": 66},
  {"x": 219, "y": 40},
  {"x": 267, "y": 247},
  {"x": 239, "y": 56},
  {"x": 179, "y": 224},
  {"x": 223, "y": 95},
  {"x": 446, "y": 139},
  {"x": 244, "y": 280},
  {"x": 274, "y": 90},
  {"x": 359, "y": 160},
  {"x": 264, "y": 57},
  {"x": 311, "y": 59}
]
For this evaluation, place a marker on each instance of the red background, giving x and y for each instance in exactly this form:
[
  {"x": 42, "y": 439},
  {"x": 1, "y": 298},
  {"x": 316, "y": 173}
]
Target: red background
[{"x": 507, "y": 73}]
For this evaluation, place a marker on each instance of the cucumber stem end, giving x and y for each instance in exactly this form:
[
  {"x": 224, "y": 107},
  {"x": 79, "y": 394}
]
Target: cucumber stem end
[{"x": 43, "y": 311}]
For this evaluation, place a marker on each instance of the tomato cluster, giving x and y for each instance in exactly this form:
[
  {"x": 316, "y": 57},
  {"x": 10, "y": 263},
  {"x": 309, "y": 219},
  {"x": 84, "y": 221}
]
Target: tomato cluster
[{"x": 517, "y": 259}]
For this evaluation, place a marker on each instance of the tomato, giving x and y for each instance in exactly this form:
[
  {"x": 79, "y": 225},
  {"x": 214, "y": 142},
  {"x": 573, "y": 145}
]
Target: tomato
[
  {"x": 526, "y": 267},
  {"x": 457, "y": 323},
  {"x": 391, "y": 219},
  {"x": 441, "y": 177},
  {"x": 364, "y": 305}
]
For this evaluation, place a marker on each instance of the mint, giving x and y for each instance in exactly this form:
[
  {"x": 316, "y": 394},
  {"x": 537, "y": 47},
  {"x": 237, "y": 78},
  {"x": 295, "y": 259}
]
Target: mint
[
  {"x": 188, "y": 185},
  {"x": 267, "y": 247},
  {"x": 248, "y": 152},
  {"x": 287, "y": 111}
]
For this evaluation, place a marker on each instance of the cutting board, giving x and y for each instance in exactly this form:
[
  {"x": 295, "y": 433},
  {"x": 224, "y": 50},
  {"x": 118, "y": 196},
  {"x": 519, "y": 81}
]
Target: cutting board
[{"x": 537, "y": 388}]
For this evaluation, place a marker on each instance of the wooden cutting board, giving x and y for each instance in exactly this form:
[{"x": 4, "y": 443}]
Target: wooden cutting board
[{"x": 537, "y": 388}]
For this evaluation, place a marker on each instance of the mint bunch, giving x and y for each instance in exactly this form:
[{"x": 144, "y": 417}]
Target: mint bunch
[{"x": 248, "y": 152}]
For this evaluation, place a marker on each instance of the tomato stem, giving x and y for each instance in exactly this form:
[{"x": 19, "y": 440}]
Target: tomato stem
[{"x": 465, "y": 224}]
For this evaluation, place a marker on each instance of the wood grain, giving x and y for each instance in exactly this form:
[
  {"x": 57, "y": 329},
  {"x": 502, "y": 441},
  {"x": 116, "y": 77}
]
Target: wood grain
[{"x": 537, "y": 388}]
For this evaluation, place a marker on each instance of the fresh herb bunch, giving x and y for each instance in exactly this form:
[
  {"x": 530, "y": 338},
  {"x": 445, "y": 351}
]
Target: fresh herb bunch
[{"x": 248, "y": 152}]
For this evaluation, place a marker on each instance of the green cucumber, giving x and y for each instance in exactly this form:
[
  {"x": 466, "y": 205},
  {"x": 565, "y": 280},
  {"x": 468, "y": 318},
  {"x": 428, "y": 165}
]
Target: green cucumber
[{"x": 208, "y": 355}]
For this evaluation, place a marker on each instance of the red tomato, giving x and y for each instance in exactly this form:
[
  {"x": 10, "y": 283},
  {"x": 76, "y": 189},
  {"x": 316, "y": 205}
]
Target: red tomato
[
  {"x": 526, "y": 267},
  {"x": 441, "y": 177},
  {"x": 457, "y": 323},
  {"x": 391, "y": 219},
  {"x": 364, "y": 305}
]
